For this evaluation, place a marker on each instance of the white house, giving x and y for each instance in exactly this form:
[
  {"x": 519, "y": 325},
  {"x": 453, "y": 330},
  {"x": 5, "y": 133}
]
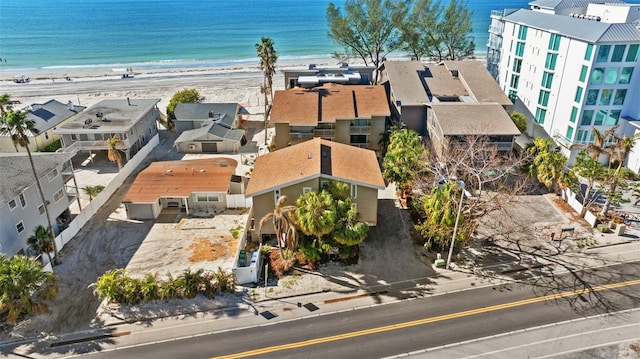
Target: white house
[
  {"x": 21, "y": 207},
  {"x": 209, "y": 127}
]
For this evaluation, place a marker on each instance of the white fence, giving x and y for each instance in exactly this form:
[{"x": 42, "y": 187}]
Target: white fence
[
  {"x": 573, "y": 201},
  {"x": 238, "y": 201},
  {"x": 250, "y": 272},
  {"x": 98, "y": 201}
]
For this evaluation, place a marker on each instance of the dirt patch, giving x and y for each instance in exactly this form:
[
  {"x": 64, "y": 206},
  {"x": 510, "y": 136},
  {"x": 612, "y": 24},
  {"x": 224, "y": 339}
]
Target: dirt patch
[
  {"x": 566, "y": 208},
  {"x": 205, "y": 250}
]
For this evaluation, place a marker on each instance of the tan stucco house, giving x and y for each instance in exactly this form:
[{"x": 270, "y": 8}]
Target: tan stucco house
[
  {"x": 309, "y": 166},
  {"x": 351, "y": 114}
]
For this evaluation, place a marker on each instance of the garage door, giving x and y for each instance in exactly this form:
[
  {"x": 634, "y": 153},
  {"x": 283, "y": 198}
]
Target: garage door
[
  {"x": 209, "y": 147},
  {"x": 140, "y": 211}
]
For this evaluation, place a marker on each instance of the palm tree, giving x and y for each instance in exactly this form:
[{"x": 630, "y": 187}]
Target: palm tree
[
  {"x": 5, "y": 103},
  {"x": 268, "y": 57},
  {"x": 112, "y": 153},
  {"x": 316, "y": 214},
  {"x": 281, "y": 223},
  {"x": 24, "y": 286},
  {"x": 18, "y": 125},
  {"x": 92, "y": 191},
  {"x": 618, "y": 152},
  {"x": 349, "y": 230},
  {"x": 40, "y": 241},
  {"x": 598, "y": 146},
  {"x": 549, "y": 164}
]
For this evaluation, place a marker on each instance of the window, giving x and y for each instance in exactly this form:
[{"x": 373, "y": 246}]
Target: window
[
  {"x": 276, "y": 196},
  {"x": 23, "y": 201},
  {"x": 46, "y": 135},
  {"x": 569, "y": 133},
  {"x": 578, "y": 97},
  {"x": 207, "y": 197},
  {"x": 582, "y": 136},
  {"x": 554, "y": 42},
  {"x": 306, "y": 190},
  {"x": 605, "y": 97},
  {"x": 360, "y": 139},
  {"x": 632, "y": 54},
  {"x": 20, "y": 227},
  {"x": 360, "y": 122},
  {"x": 74, "y": 137},
  {"x": 41, "y": 209},
  {"x": 583, "y": 73},
  {"x": 625, "y": 75},
  {"x": 324, "y": 184},
  {"x": 58, "y": 195},
  {"x": 587, "y": 54},
  {"x": 520, "y": 49},
  {"x": 550, "y": 63},
  {"x": 522, "y": 32},
  {"x": 53, "y": 174},
  {"x": 540, "y": 115},
  {"x": 574, "y": 114},
  {"x": 597, "y": 75},
  {"x": 547, "y": 79},
  {"x": 354, "y": 191},
  {"x": 618, "y": 99},
  {"x": 613, "y": 118},
  {"x": 12, "y": 204},
  {"x": 618, "y": 52},
  {"x": 601, "y": 115},
  {"x": 513, "y": 95},
  {"x": 603, "y": 53},
  {"x": 592, "y": 97},
  {"x": 612, "y": 75},
  {"x": 517, "y": 65},
  {"x": 543, "y": 98},
  {"x": 587, "y": 115},
  {"x": 514, "y": 81}
]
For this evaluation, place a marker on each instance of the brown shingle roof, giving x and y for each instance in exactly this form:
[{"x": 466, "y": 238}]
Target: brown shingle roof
[
  {"x": 479, "y": 81},
  {"x": 180, "y": 178},
  {"x": 465, "y": 118},
  {"x": 303, "y": 161},
  {"x": 442, "y": 83},
  {"x": 406, "y": 82},
  {"x": 304, "y": 107}
]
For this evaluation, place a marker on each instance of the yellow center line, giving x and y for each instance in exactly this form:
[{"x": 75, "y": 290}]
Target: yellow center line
[{"x": 413, "y": 323}]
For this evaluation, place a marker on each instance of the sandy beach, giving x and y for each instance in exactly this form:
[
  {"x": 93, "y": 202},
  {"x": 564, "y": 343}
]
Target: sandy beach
[{"x": 240, "y": 83}]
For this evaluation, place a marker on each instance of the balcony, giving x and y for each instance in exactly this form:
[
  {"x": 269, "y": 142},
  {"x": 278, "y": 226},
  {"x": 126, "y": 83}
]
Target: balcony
[
  {"x": 360, "y": 145},
  {"x": 503, "y": 146},
  {"x": 301, "y": 135},
  {"x": 324, "y": 133},
  {"x": 354, "y": 130},
  {"x": 93, "y": 145}
]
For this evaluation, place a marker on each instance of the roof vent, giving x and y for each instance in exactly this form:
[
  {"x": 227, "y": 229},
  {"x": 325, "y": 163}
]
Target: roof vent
[
  {"x": 310, "y": 155},
  {"x": 203, "y": 170},
  {"x": 70, "y": 106},
  {"x": 211, "y": 114}
]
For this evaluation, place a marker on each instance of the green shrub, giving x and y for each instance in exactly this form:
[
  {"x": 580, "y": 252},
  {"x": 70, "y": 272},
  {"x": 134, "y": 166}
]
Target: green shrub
[{"x": 53, "y": 146}]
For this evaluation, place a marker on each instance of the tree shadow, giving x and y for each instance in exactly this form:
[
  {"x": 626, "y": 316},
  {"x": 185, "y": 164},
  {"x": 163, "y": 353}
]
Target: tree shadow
[
  {"x": 512, "y": 246},
  {"x": 68, "y": 344}
]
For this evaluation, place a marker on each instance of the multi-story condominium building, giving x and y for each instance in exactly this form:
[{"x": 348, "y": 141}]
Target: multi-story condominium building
[
  {"x": 350, "y": 114},
  {"x": 132, "y": 121},
  {"x": 46, "y": 117},
  {"x": 21, "y": 207},
  {"x": 571, "y": 66}
]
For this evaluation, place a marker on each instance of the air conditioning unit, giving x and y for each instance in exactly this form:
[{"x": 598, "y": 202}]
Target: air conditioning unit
[{"x": 192, "y": 147}]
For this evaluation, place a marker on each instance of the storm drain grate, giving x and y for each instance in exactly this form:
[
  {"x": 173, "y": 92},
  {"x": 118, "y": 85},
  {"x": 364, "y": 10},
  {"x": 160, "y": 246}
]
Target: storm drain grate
[{"x": 311, "y": 307}]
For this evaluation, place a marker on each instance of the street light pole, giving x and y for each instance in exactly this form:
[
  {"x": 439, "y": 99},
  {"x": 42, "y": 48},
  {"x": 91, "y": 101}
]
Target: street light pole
[{"x": 455, "y": 227}]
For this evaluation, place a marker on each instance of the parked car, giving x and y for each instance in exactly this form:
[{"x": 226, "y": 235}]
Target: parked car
[{"x": 20, "y": 79}]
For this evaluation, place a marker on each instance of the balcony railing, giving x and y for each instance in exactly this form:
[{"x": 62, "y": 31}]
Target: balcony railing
[
  {"x": 503, "y": 146},
  {"x": 359, "y": 129},
  {"x": 301, "y": 135},
  {"x": 321, "y": 132},
  {"x": 361, "y": 145},
  {"x": 93, "y": 145}
]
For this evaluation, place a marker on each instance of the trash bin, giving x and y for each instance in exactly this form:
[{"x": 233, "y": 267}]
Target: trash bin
[{"x": 620, "y": 229}]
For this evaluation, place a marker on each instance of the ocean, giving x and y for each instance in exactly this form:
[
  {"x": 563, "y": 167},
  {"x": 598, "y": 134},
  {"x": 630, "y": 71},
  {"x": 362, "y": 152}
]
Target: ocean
[{"x": 87, "y": 34}]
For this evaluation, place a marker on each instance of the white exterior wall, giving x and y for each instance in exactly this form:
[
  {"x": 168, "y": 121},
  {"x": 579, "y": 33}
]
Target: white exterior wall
[{"x": 566, "y": 80}]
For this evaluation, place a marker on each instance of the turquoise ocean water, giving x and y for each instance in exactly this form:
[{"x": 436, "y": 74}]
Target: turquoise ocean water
[{"x": 76, "y": 34}]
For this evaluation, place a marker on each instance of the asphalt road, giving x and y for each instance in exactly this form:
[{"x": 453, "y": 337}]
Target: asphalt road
[{"x": 382, "y": 331}]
